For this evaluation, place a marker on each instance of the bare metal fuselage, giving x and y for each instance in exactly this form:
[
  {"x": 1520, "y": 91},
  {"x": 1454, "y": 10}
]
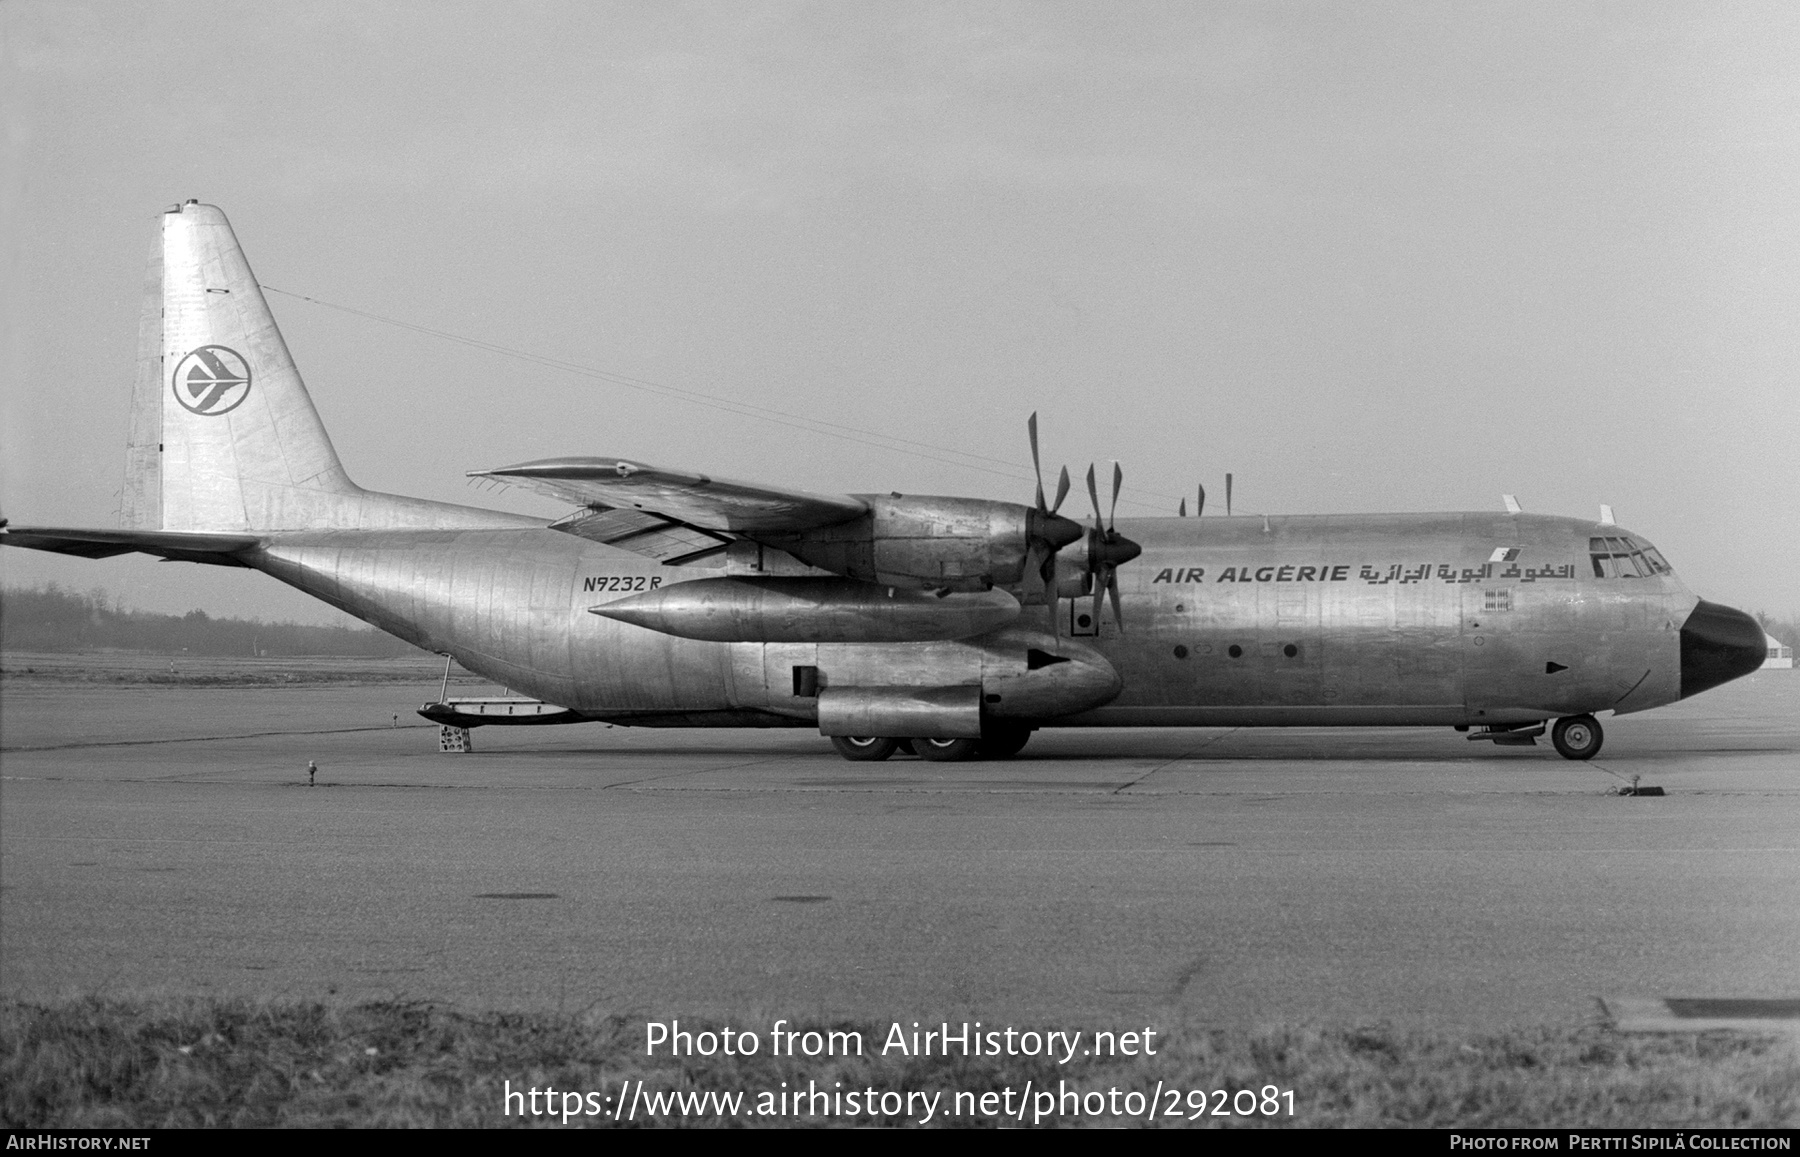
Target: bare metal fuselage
[
  {"x": 960, "y": 622},
  {"x": 1447, "y": 619}
]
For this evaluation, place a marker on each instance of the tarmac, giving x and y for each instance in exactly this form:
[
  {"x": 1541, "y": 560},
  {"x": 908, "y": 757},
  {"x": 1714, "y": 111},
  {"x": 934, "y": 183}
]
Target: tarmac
[{"x": 161, "y": 840}]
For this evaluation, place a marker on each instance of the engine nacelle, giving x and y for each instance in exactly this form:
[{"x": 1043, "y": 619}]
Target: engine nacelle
[{"x": 957, "y": 544}]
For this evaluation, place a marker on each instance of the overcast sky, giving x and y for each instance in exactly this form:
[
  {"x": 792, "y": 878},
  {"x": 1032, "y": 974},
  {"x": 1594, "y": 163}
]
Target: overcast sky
[{"x": 1366, "y": 257}]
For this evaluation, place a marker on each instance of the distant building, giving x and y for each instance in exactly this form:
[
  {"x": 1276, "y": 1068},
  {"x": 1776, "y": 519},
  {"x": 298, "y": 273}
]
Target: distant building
[{"x": 1781, "y": 656}]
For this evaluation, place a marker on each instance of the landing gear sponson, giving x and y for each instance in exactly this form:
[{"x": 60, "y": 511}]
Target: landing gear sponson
[
  {"x": 1576, "y": 737},
  {"x": 995, "y": 743}
]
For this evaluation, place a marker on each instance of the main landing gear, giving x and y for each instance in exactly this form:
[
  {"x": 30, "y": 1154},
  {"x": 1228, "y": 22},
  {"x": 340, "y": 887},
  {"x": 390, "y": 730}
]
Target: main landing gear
[
  {"x": 995, "y": 743},
  {"x": 864, "y": 748},
  {"x": 1577, "y": 737}
]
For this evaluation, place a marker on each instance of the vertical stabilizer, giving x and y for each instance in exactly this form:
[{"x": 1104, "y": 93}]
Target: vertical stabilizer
[
  {"x": 224, "y": 437},
  {"x": 242, "y": 446}
]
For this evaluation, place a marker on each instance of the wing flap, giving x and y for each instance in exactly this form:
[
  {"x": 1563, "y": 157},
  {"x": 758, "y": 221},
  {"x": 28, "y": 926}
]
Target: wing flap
[
  {"x": 697, "y": 500},
  {"x": 643, "y": 533}
]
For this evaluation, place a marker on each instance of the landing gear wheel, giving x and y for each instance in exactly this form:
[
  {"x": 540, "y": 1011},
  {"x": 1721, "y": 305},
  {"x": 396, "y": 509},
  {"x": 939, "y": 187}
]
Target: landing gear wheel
[
  {"x": 945, "y": 750},
  {"x": 864, "y": 748},
  {"x": 1577, "y": 737},
  {"x": 1002, "y": 742}
]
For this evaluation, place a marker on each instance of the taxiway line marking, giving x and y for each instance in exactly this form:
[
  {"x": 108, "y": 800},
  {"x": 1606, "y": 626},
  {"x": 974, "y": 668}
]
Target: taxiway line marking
[{"x": 210, "y": 738}]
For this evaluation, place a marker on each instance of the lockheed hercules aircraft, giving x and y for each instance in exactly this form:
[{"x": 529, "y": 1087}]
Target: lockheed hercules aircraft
[{"x": 953, "y": 627}]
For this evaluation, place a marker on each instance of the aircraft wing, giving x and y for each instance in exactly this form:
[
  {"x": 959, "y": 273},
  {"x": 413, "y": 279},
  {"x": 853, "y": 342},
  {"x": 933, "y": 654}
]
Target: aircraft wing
[
  {"x": 643, "y": 533},
  {"x": 175, "y": 546},
  {"x": 695, "y": 500}
]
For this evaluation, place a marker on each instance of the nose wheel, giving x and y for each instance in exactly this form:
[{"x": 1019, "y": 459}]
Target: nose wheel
[{"x": 1577, "y": 737}]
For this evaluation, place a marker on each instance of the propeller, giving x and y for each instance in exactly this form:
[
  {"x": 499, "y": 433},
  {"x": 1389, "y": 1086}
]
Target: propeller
[
  {"x": 1228, "y": 496},
  {"x": 1107, "y": 548},
  {"x": 1199, "y": 509},
  {"x": 1046, "y": 531}
]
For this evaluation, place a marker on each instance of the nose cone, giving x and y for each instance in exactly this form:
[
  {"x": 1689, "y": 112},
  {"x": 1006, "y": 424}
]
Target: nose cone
[
  {"x": 1718, "y": 644},
  {"x": 1056, "y": 530},
  {"x": 1110, "y": 548}
]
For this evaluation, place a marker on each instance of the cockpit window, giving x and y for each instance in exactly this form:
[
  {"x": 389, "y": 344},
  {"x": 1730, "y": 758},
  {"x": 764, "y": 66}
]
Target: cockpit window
[{"x": 1620, "y": 557}]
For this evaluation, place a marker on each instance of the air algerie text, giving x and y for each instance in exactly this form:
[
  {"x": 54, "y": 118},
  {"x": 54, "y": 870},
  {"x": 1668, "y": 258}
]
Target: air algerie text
[{"x": 1372, "y": 574}]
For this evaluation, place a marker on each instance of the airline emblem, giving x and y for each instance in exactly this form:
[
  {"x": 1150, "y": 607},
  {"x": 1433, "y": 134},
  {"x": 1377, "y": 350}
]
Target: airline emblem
[{"x": 212, "y": 380}]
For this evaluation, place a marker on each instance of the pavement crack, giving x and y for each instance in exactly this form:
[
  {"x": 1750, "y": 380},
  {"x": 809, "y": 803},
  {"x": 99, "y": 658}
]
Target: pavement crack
[
  {"x": 691, "y": 771},
  {"x": 1189, "y": 753}
]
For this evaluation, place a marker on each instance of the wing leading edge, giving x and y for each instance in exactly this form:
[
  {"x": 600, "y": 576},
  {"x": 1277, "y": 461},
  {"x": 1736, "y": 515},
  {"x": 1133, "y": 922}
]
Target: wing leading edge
[{"x": 670, "y": 513}]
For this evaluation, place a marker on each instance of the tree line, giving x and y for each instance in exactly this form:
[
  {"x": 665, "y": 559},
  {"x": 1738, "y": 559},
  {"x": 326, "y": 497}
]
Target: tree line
[{"x": 53, "y": 618}]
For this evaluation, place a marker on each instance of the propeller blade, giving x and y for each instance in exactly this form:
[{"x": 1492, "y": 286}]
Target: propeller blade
[
  {"x": 1112, "y": 588},
  {"x": 1201, "y": 509},
  {"x": 1099, "y": 599},
  {"x": 1032, "y": 582},
  {"x": 1228, "y": 496},
  {"x": 1181, "y": 511},
  {"x": 1031, "y": 425},
  {"x": 1118, "y": 480},
  {"x": 1062, "y": 490},
  {"x": 1094, "y": 493}
]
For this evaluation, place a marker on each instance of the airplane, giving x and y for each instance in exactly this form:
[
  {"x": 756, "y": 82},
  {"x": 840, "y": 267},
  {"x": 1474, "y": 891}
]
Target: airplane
[{"x": 952, "y": 628}]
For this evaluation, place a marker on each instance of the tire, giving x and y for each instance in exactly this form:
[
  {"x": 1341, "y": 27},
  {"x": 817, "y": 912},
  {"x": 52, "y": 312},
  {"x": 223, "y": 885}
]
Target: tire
[
  {"x": 945, "y": 750},
  {"x": 1577, "y": 737},
  {"x": 1002, "y": 742},
  {"x": 864, "y": 748}
]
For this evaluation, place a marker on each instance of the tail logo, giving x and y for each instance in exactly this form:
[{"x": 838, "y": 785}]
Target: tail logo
[{"x": 212, "y": 380}]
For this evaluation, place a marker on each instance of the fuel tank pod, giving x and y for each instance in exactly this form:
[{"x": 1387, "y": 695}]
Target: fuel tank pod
[{"x": 787, "y": 609}]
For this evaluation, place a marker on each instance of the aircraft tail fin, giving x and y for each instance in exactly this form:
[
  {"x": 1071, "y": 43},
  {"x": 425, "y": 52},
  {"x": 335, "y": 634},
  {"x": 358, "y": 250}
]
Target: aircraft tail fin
[{"x": 224, "y": 437}]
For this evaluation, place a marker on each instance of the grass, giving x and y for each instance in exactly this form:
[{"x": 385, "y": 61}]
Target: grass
[{"x": 118, "y": 1064}]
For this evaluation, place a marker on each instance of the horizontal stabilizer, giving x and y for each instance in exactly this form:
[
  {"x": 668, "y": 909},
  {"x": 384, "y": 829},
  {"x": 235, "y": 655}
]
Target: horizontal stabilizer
[
  {"x": 697, "y": 500},
  {"x": 175, "y": 546}
]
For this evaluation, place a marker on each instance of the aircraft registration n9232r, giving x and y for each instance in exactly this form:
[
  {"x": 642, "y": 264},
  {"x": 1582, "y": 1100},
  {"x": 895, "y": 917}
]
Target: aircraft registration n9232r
[{"x": 953, "y": 626}]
